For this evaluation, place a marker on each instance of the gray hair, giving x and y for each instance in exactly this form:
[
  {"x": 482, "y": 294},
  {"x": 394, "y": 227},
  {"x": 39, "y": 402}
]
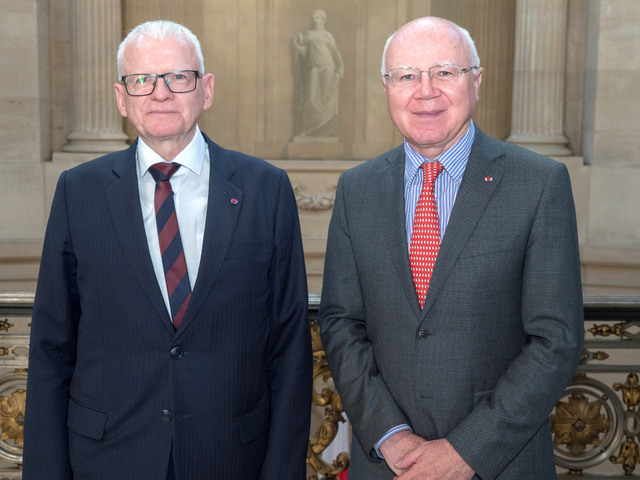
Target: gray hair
[
  {"x": 466, "y": 36},
  {"x": 159, "y": 30}
]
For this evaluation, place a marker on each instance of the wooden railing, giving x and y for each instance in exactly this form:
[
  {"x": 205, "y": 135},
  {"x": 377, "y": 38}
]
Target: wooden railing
[{"x": 595, "y": 425}]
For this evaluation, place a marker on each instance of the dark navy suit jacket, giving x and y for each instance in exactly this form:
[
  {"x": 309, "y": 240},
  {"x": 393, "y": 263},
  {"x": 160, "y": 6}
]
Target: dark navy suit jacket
[{"x": 113, "y": 390}]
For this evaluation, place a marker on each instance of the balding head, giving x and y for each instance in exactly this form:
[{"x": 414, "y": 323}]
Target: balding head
[{"x": 437, "y": 27}]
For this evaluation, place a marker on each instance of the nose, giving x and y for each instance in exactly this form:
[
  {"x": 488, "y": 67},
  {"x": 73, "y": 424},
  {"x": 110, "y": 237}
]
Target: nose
[
  {"x": 161, "y": 91},
  {"x": 425, "y": 86}
]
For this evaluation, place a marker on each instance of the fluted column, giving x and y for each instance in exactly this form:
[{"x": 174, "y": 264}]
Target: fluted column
[
  {"x": 539, "y": 76},
  {"x": 96, "y": 125}
]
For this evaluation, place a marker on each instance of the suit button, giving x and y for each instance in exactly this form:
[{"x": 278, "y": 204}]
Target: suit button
[
  {"x": 166, "y": 415},
  {"x": 422, "y": 333},
  {"x": 176, "y": 353}
]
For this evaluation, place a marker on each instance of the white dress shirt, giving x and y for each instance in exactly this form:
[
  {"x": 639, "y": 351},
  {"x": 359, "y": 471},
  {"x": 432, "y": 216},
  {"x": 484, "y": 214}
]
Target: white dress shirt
[{"x": 190, "y": 185}]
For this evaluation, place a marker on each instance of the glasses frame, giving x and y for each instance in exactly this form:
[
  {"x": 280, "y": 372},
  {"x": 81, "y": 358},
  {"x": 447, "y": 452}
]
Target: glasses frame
[
  {"x": 156, "y": 76},
  {"x": 463, "y": 70}
]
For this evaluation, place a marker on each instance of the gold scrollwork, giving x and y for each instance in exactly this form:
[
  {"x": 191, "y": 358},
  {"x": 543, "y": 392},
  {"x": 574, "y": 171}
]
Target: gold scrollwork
[
  {"x": 629, "y": 454},
  {"x": 587, "y": 424},
  {"x": 622, "y": 330},
  {"x": 630, "y": 391},
  {"x": 587, "y": 356},
  {"x": 5, "y": 325},
  {"x": 578, "y": 423},
  {"x": 12, "y": 416},
  {"x": 330, "y": 399}
]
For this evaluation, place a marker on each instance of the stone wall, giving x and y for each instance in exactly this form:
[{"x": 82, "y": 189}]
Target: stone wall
[{"x": 564, "y": 87}]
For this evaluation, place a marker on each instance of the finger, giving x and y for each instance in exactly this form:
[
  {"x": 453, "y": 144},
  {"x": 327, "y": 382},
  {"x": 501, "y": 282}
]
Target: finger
[{"x": 407, "y": 460}]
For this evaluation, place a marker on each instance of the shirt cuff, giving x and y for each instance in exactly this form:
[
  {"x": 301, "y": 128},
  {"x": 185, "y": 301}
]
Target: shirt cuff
[{"x": 393, "y": 431}]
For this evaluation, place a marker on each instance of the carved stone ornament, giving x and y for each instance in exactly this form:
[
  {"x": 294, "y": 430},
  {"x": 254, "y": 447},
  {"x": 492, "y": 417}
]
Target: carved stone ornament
[{"x": 318, "y": 201}]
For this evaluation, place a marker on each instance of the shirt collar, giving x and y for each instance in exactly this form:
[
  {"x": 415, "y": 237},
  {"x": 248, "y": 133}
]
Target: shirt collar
[
  {"x": 192, "y": 157},
  {"x": 454, "y": 160}
]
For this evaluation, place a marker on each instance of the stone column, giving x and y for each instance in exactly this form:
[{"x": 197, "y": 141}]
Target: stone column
[
  {"x": 539, "y": 76},
  {"x": 96, "y": 29}
]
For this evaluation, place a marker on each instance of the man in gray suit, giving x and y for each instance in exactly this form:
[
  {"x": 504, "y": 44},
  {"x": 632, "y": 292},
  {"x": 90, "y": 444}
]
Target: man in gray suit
[{"x": 452, "y": 374}]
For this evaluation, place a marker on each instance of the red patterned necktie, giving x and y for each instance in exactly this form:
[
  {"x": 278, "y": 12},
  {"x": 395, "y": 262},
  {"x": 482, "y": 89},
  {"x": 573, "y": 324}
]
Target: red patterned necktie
[
  {"x": 425, "y": 236},
  {"x": 173, "y": 261}
]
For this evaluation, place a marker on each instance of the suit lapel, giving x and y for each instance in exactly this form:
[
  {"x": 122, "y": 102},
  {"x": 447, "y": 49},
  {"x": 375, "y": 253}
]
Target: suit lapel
[
  {"x": 123, "y": 200},
  {"x": 392, "y": 211},
  {"x": 223, "y": 207},
  {"x": 481, "y": 177}
]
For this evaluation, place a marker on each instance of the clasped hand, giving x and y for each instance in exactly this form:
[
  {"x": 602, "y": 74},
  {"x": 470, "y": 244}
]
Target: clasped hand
[{"x": 413, "y": 458}]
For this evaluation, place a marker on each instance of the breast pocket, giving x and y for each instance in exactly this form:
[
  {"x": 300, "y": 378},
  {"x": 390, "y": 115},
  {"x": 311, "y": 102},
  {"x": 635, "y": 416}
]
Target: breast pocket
[
  {"x": 248, "y": 249},
  {"x": 489, "y": 245},
  {"x": 488, "y": 268}
]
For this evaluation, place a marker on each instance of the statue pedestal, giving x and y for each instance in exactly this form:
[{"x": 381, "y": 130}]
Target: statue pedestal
[{"x": 315, "y": 148}]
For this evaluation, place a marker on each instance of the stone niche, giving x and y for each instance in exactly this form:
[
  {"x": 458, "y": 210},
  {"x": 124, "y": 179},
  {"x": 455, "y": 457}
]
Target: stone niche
[
  {"x": 272, "y": 99},
  {"x": 264, "y": 55}
]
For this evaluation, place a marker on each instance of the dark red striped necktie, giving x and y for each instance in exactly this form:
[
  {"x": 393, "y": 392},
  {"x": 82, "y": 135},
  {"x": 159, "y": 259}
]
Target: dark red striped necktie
[{"x": 173, "y": 261}]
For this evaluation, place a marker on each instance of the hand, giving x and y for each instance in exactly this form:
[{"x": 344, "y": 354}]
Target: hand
[
  {"x": 397, "y": 446},
  {"x": 436, "y": 460}
]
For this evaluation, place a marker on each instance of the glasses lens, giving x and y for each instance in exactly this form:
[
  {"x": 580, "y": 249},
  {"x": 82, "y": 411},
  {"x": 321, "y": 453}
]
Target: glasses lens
[
  {"x": 445, "y": 73},
  {"x": 140, "y": 84},
  {"x": 404, "y": 76},
  {"x": 182, "y": 81}
]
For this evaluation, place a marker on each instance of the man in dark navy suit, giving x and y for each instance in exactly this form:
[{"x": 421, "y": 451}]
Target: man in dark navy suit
[{"x": 169, "y": 352}]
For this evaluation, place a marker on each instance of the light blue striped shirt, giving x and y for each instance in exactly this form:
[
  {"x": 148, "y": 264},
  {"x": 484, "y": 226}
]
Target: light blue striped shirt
[{"x": 447, "y": 185}]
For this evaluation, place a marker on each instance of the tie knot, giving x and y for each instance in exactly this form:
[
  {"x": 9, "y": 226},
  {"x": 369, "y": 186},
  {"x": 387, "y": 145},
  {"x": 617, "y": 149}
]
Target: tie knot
[
  {"x": 163, "y": 170},
  {"x": 431, "y": 170}
]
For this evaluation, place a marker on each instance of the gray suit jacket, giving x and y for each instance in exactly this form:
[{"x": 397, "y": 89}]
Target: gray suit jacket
[{"x": 501, "y": 330}]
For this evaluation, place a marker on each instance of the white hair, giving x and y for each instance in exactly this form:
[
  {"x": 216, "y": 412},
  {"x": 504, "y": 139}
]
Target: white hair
[
  {"x": 475, "y": 60},
  {"x": 159, "y": 30}
]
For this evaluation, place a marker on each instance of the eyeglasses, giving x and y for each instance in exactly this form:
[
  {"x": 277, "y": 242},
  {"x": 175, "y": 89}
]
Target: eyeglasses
[
  {"x": 181, "y": 81},
  {"x": 440, "y": 74}
]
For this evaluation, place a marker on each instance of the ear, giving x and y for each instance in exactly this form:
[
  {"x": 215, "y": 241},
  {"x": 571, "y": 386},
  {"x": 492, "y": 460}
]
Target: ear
[
  {"x": 384, "y": 83},
  {"x": 208, "y": 82},
  {"x": 477, "y": 81},
  {"x": 121, "y": 93}
]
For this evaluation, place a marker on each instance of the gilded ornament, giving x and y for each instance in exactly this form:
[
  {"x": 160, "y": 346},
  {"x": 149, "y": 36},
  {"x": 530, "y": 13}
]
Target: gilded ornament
[
  {"x": 630, "y": 391},
  {"x": 577, "y": 423},
  {"x": 587, "y": 356},
  {"x": 330, "y": 399},
  {"x": 12, "y": 416},
  {"x": 622, "y": 330},
  {"x": 629, "y": 456}
]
